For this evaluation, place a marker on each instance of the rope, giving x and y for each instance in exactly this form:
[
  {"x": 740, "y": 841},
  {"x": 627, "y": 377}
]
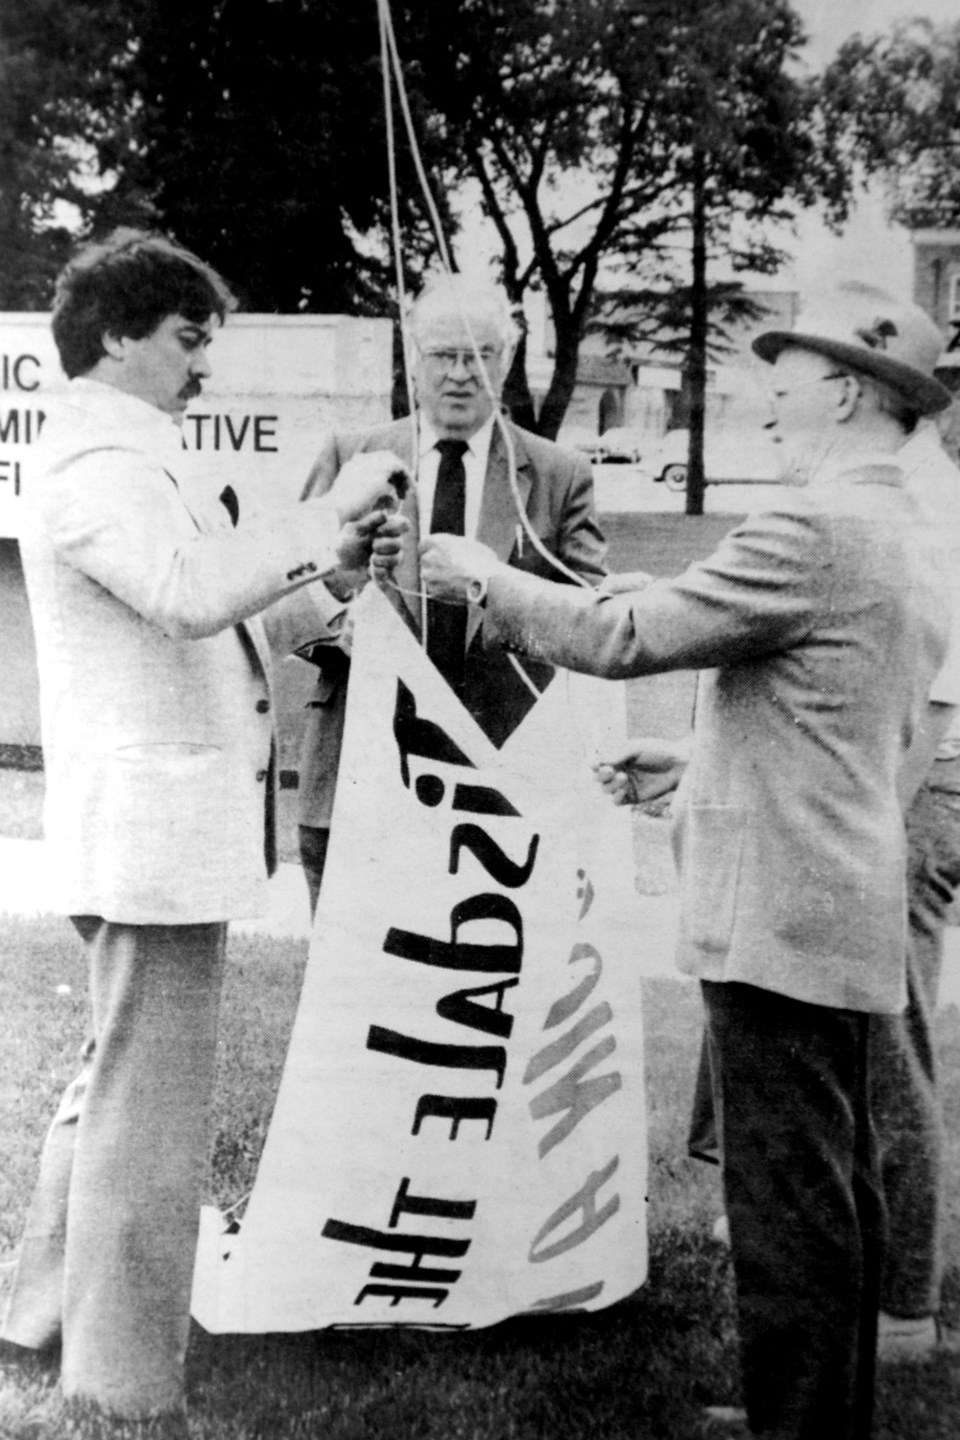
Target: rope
[{"x": 390, "y": 56}]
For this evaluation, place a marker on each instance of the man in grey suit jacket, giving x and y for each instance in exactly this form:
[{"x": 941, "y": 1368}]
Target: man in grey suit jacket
[
  {"x": 463, "y": 335},
  {"x": 158, "y": 737},
  {"x": 825, "y": 622}
]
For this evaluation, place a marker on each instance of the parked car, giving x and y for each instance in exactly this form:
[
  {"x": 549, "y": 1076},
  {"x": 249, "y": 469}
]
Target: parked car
[
  {"x": 618, "y": 446},
  {"x": 586, "y": 442},
  {"x": 621, "y": 446},
  {"x": 741, "y": 457}
]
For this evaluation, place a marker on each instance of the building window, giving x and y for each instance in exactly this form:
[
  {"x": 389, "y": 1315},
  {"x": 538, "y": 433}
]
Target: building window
[{"x": 954, "y": 300}]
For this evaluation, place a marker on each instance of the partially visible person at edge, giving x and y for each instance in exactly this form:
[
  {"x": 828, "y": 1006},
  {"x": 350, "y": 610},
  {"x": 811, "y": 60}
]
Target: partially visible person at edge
[
  {"x": 824, "y": 621},
  {"x": 152, "y": 609},
  {"x": 904, "y": 1085},
  {"x": 457, "y": 450}
]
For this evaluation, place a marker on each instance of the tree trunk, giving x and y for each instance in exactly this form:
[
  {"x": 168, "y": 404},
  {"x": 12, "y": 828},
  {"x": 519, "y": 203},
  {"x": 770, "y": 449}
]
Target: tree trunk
[
  {"x": 517, "y": 398},
  {"x": 695, "y": 369},
  {"x": 563, "y": 380}
]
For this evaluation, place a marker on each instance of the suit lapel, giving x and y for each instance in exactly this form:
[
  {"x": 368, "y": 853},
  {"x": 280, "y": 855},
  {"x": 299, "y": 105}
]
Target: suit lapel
[
  {"x": 498, "y": 508},
  {"x": 499, "y": 523},
  {"x": 253, "y": 637}
]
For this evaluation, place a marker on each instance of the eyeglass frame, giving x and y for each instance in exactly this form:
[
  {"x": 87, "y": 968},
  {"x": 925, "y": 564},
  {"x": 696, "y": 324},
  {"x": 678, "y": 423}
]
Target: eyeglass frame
[{"x": 447, "y": 360}]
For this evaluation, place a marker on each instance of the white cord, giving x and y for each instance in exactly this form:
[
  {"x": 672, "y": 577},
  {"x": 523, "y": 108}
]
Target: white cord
[{"x": 390, "y": 54}]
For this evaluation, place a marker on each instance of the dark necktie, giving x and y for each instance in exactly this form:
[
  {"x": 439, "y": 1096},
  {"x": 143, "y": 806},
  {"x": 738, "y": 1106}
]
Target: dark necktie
[{"x": 446, "y": 623}]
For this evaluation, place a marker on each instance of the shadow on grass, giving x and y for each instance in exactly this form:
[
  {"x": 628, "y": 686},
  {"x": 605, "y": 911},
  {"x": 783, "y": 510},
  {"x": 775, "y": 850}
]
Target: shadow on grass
[{"x": 643, "y": 1368}]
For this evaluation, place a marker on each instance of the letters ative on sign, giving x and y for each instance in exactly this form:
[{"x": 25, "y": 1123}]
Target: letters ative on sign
[{"x": 231, "y": 432}]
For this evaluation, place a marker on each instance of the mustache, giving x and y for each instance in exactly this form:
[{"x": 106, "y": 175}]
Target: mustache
[{"x": 191, "y": 390}]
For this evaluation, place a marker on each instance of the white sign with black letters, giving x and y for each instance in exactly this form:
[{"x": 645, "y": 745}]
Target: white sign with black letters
[
  {"x": 278, "y": 382},
  {"x": 459, "y": 1134}
]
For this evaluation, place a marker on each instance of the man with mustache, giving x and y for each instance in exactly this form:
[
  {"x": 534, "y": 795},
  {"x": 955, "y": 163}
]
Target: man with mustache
[{"x": 152, "y": 609}]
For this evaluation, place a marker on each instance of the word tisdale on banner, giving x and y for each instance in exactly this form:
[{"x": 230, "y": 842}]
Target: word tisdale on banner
[{"x": 459, "y": 1134}]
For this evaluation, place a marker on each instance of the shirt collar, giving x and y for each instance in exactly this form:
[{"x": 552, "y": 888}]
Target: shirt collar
[
  {"x": 155, "y": 428},
  {"x": 862, "y": 465},
  {"x": 478, "y": 443}
]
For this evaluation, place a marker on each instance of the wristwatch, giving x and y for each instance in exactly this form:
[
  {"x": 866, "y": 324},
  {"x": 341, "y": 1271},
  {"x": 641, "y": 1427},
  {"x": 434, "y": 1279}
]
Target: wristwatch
[{"x": 477, "y": 592}]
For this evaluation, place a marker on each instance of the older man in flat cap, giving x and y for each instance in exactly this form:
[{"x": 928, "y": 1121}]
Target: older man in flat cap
[{"x": 824, "y": 621}]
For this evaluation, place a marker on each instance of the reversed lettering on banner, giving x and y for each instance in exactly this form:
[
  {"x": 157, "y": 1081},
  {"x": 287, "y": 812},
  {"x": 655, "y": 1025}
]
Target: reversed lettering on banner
[{"x": 459, "y": 1132}]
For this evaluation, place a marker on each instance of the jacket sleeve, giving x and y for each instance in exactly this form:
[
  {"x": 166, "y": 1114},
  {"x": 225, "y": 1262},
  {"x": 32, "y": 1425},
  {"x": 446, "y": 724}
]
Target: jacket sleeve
[
  {"x": 119, "y": 518},
  {"x": 309, "y": 616},
  {"x": 760, "y": 591}
]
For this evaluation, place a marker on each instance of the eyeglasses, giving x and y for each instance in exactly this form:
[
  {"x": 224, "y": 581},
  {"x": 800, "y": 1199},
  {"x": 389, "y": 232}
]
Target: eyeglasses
[
  {"x": 447, "y": 360},
  {"x": 776, "y": 394}
]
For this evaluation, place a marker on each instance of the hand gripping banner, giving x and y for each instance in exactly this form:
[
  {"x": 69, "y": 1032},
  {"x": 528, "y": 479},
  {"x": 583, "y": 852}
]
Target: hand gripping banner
[{"x": 459, "y": 1134}]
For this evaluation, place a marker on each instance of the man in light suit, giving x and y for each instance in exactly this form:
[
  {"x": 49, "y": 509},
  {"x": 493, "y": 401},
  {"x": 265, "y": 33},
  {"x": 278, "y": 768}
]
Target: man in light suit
[
  {"x": 824, "y": 622},
  {"x": 460, "y": 453},
  {"x": 158, "y": 736}
]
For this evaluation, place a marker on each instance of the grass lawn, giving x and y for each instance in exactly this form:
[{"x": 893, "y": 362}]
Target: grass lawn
[{"x": 642, "y": 1370}]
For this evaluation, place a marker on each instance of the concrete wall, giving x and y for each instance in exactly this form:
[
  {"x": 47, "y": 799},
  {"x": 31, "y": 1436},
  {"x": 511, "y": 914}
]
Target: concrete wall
[{"x": 279, "y": 381}]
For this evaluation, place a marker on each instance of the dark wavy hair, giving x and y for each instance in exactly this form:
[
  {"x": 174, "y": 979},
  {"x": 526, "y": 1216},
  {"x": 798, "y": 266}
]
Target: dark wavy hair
[{"x": 126, "y": 284}]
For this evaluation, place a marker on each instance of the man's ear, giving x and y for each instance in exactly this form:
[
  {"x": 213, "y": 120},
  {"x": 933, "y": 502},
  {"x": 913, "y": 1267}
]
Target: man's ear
[
  {"x": 113, "y": 345},
  {"x": 849, "y": 397}
]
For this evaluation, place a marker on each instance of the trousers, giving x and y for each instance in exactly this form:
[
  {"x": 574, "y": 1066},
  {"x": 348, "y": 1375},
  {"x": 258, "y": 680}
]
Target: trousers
[
  {"x": 904, "y": 1088},
  {"x": 903, "y": 1082},
  {"x": 802, "y": 1192},
  {"x": 106, "y": 1261}
]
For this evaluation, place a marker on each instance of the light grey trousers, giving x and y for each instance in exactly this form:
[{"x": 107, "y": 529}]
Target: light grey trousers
[
  {"x": 106, "y": 1261},
  {"x": 905, "y": 1092}
]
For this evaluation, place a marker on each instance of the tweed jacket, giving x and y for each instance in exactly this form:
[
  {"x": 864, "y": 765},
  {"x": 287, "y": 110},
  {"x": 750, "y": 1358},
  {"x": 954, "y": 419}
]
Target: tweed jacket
[
  {"x": 826, "y": 621},
  {"x": 155, "y": 691},
  {"x": 556, "y": 491}
]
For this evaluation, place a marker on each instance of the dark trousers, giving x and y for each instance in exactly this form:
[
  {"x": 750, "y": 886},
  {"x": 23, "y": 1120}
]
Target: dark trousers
[
  {"x": 802, "y": 1193},
  {"x": 903, "y": 1083}
]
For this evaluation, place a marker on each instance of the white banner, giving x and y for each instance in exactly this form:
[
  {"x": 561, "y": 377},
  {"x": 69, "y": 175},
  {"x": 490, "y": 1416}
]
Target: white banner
[{"x": 459, "y": 1134}]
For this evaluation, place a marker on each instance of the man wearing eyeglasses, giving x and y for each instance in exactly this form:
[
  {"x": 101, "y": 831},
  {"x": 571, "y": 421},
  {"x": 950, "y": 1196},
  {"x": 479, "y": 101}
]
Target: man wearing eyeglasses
[
  {"x": 463, "y": 454},
  {"x": 824, "y": 622}
]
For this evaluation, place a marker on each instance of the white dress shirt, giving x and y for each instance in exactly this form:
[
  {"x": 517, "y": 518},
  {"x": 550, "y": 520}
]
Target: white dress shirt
[{"x": 475, "y": 467}]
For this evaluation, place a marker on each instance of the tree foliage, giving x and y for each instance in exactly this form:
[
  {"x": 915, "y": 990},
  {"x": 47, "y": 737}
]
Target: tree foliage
[
  {"x": 581, "y": 124},
  {"x": 892, "y": 102},
  {"x": 39, "y": 135},
  {"x": 251, "y": 129}
]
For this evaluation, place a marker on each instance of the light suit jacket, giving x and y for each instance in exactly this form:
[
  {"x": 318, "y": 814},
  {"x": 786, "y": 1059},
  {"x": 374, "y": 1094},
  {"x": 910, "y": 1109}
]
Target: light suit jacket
[
  {"x": 827, "y": 621},
  {"x": 156, "y": 704},
  {"x": 556, "y": 491}
]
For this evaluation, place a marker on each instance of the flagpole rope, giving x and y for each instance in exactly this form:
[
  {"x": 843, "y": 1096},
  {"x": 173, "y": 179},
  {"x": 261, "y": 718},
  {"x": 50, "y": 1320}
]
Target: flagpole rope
[{"x": 390, "y": 55}]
